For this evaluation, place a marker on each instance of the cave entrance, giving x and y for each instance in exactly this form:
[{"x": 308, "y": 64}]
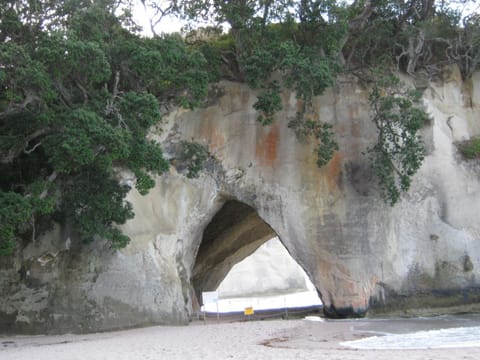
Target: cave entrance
[{"x": 238, "y": 253}]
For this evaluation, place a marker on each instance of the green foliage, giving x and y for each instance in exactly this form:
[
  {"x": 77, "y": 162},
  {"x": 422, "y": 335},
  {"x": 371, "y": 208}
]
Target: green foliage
[
  {"x": 466, "y": 53},
  {"x": 308, "y": 74},
  {"x": 310, "y": 126},
  {"x": 470, "y": 149},
  {"x": 194, "y": 156},
  {"x": 166, "y": 68},
  {"x": 86, "y": 61},
  {"x": 15, "y": 212},
  {"x": 21, "y": 71},
  {"x": 301, "y": 70},
  {"x": 40, "y": 203},
  {"x": 78, "y": 96},
  {"x": 399, "y": 151},
  {"x": 325, "y": 17},
  {"x": 259, "y": 65},
  {"x": 213, "y": 61},
  {"x": 372, "y": 47},
  {"x": 328, "y": 145},
  {"x": 224, "y": 43},
  {"x": 276, "y": 38},
  {"x": 95, "y": 202},
  {"x": 268, "y": 103},
  {"x": 412, "y": 36}
]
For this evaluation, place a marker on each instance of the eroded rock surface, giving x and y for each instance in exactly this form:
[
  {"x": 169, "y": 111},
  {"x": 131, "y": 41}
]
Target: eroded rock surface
[
  {"x": 360, "y": 253},
  {"x": 234, "y": 233}
]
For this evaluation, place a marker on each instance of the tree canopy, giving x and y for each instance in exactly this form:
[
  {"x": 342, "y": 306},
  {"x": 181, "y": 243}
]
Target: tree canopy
[
  {"x": 309, "y": 42},
  {"x": 80, "y": 88}
]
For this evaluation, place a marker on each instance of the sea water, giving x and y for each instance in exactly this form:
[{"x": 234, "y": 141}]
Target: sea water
[{"x": 419, "y": 333}]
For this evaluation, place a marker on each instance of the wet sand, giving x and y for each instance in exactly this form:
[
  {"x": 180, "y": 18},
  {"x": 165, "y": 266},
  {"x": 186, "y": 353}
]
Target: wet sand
[{"x": 273, "y": 339}]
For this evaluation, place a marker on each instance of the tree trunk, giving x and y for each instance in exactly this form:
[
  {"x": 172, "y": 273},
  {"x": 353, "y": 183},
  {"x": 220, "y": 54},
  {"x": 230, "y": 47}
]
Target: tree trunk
[{"x": 415, "y": 50}]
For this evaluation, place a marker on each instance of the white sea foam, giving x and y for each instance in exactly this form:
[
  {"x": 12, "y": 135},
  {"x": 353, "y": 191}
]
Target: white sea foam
[{"x": 432, "y": 339}]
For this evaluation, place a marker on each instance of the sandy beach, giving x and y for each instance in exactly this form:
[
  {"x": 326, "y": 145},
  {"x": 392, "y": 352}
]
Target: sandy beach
[{"x": 274, "y": 339}]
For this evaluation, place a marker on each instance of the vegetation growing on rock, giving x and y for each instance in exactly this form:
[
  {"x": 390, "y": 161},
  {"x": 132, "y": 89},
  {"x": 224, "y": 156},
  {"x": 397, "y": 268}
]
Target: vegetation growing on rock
[
  {"x": 193, "y": 156},
  {"x": 470, "y": 149},
  {"x": 306, "y": 43},
  {"x": 399, "y": 151},
  {"x": 80, "y": 89}
]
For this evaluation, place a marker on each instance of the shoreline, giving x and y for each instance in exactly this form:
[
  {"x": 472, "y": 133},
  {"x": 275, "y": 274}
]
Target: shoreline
[{"x": 269, "y": 339}]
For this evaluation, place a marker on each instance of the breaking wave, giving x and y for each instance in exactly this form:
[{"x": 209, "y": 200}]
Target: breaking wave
[{"x": 431, "y": 339}]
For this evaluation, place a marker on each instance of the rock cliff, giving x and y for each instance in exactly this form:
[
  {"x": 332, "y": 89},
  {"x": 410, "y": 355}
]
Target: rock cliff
[{"x": 360, "y": 253}]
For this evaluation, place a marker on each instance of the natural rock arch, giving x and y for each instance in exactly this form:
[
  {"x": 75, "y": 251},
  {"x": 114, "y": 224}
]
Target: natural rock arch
[
  {"x": 235, "y": 232},
  {"x": 270, "y": 170},
  {"x": 359, "y": 253}
]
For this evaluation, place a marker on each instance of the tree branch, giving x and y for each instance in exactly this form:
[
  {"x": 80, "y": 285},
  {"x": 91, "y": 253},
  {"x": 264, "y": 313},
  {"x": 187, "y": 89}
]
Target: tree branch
[
  {"x": 53, "y": 176},
  {"x": 25, "y": 151},
  {"x": 355, "y": 26},
  {"x": 84, "y": 92},
  {"x": 14, "y": 108},
  {"x": 19, "y": 148}
]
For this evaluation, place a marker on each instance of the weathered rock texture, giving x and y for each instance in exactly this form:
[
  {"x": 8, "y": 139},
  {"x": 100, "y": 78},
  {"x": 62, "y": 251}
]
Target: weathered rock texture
[
  {"x": 359, "y": 252},
  {"x": 235, "y": 232}
]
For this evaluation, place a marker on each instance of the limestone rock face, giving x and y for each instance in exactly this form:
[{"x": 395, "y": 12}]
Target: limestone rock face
[
  {"x": 235, "y": 232},
  {"x": 360, "y": 253}
]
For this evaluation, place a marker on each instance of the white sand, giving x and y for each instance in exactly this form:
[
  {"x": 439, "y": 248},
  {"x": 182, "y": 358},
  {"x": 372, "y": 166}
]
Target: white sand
[{"x": 277, "y": 339}]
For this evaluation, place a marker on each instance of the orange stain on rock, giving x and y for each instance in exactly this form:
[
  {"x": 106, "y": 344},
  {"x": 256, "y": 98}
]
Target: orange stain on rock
[
  {"x": 211, "y": 135},
  {"x": 353, "y": 112},
  {"x": 216, "y": 140},
  {"x": 267, "y": 145},
  {"x": 334, "y": 171},
  {"x": 300, "y": 106},
  {"x": 355, "y": 130},
  {"x": 324, "y": 267}
]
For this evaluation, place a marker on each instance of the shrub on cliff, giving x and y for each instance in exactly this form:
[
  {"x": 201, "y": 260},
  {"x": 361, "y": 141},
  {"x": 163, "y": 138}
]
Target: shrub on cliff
[
  {"x": 470, "y": 149},
  {"x": 399, "y": 151}
]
